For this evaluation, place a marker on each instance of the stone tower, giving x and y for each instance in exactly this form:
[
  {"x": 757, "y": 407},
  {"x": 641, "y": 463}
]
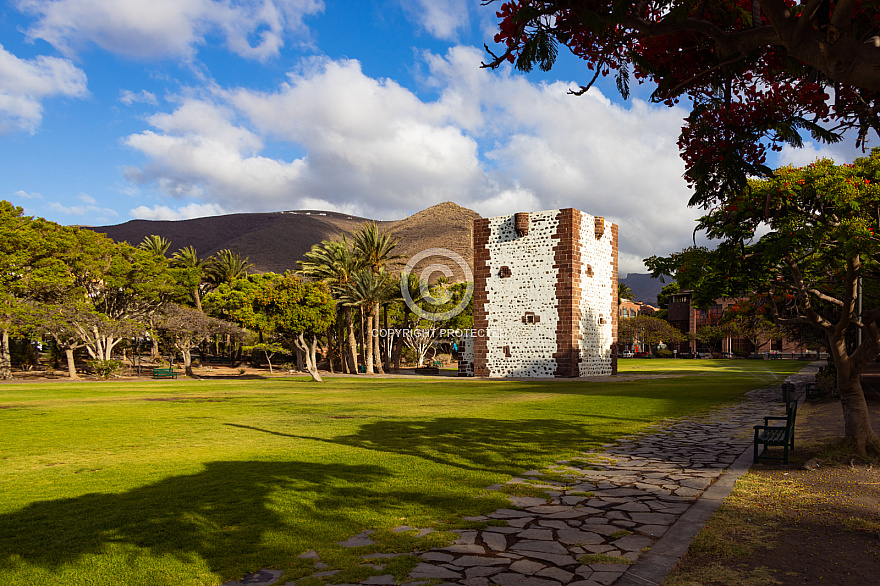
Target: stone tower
[{"x": 545, "y": 296}]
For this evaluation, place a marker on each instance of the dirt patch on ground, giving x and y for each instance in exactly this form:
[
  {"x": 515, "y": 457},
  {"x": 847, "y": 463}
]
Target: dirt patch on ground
[{"x": 788, "y": 525}]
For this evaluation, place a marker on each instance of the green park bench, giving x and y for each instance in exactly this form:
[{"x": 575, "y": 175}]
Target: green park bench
[
  {"x": 164, "y": 373},
  {"x": 777, "y": 435},
  {"x": 813, "y": 391}
]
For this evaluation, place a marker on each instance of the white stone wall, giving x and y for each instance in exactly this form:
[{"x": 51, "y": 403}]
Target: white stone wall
[
  {"x": 531, "y": 287},
  {"x": 596, "y": 302}
]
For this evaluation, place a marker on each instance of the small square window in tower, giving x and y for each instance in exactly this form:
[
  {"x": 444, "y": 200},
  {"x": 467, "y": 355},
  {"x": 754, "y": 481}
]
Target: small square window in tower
[
  {"x": 504, "y": 272},
  {"x": 531, "y": 318}
]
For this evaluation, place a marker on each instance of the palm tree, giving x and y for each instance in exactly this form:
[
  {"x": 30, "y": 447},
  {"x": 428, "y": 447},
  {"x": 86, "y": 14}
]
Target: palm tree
[
  {"x": 335, "y": 263},
  {"x": 155, "y": 244},
  {"x": 375, "y": 247},
  {"x": 376, "y": 250},
  {"x": 188, "y": 258},
  {"x": 227, "y": 266},
  {"x": 367, "y": 290},
  {"x": 624, "y": 292}
]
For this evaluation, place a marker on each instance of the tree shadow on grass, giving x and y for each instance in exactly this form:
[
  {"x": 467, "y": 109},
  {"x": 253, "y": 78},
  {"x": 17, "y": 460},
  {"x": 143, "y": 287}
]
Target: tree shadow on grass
[
  {"x": 222, "y": 515},
  {"x": 488, "y": 445}
]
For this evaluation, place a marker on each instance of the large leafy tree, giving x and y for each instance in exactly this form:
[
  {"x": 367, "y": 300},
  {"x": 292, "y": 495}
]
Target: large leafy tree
[
  {"x": 234, "y": 301},
  {"x": 187, "y": 327},
  {"x": 802, "y": 239},
  {"x": 68, "y": 323},
  {"x": 297, "y": 312},
  {"x": 757, "y": 73},
  {"x": 280, "y": 308},
  {"x": 35, "y": 268},
  {"x": 647, "y": 331},
  {"x": 124, "y": 283},
  {"x": 334, "y": 263}
]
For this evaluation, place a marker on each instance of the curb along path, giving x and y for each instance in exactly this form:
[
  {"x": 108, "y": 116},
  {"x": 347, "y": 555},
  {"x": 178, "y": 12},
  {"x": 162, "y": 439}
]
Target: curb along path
[{"x": 632, "y": 508}]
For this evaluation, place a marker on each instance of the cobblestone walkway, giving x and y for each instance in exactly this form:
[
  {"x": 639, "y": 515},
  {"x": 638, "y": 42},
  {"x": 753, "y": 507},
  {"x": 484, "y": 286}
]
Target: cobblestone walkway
[{"x": 613, "y": 506}]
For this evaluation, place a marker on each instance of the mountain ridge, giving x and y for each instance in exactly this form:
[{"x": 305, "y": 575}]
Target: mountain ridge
[{"x": 275, "y": 241}]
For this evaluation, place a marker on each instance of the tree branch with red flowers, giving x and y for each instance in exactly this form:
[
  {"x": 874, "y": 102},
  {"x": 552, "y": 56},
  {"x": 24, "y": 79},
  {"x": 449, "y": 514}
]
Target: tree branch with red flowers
[{"x": 758, "y": 73}]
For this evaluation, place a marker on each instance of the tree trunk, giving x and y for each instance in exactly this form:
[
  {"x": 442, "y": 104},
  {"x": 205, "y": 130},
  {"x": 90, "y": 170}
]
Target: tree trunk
[
  {"x": 187, "y": 362},
  {"x": 109, "y": 346},
  {"x": 363, "y": 339},
  {"x": 368, "y": 348},
  {"x": 856, "y": 417},
  {"x": 312, "y": 362},
  {"x": 198, "y": 299},
  {"x": 387, "y": 343},
  {"x": 154, "y": 349},
  {"x": 71, "y": 363},
  {"x": 330, "y": 347},
  {"x": 269, "y": 361},
  {"x": 374, "y": 339},
  {"x": 5, "y": 361},
  {"x": 352, "y": 342},
  {"x": 309, "y": 351},
  {"x": 398, "y": 340}
]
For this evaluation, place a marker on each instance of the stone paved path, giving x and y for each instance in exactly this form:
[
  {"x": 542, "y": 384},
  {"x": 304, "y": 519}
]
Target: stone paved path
[{"x": 614, "y": 505}]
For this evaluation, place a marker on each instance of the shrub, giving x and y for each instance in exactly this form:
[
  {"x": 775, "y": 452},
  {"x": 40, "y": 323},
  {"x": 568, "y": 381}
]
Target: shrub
[
  {"x": 105, "y": 368},
  {"x": 663, "y": 353}
]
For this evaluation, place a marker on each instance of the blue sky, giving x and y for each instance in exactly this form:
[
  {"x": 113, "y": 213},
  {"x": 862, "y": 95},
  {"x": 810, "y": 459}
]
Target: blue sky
[{"x": 112, "y": 110}]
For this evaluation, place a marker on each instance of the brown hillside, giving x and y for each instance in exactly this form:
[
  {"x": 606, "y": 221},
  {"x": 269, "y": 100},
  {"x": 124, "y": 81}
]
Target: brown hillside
[
  {"x": 276, "y": 241},
  {"x": 446, "y": 225}
]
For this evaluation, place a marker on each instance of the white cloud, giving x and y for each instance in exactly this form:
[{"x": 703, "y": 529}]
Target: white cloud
[
  {"x": 441, "y": 18},
  {"x": 90, "y": 210},
  {"x": 843, "y": 152},
  {"x": 129, "y": 97},
  {"x": 20, "y": 194},
  {"x": 491, "y": 141},
  {"x": 145, "y": 29},
  {"x": 186, "y": 212},
  {"x": 25, "y": 83}
]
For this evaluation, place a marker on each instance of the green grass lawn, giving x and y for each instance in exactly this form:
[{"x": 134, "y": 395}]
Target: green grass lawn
[{"x": 196, "y": 482}]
